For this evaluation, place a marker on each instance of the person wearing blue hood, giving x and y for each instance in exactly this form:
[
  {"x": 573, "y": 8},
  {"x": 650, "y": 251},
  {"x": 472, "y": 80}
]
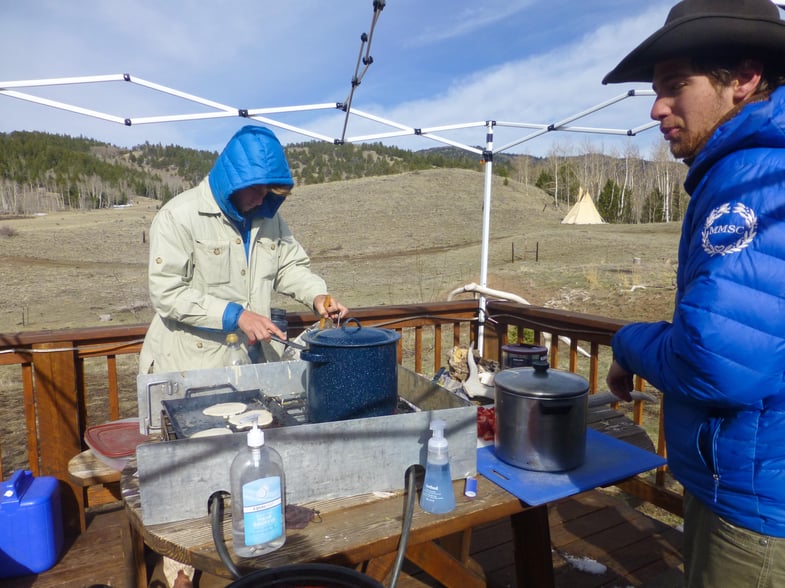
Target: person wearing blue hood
[
  {"x": 718, "y": 71},
  {"x": 217, "y": 253}
]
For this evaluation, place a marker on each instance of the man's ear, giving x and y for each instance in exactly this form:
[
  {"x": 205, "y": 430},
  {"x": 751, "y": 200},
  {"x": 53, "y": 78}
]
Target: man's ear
[{"x": 747, "y": 79}]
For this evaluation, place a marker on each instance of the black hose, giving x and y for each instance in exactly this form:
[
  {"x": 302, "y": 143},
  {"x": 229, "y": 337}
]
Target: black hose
[
  {"x": 411, "y": 495},
  {"x": 215, "y": 507}
]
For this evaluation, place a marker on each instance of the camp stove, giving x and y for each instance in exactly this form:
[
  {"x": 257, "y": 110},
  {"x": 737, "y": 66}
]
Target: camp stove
[{"x": 321, "y": 460}]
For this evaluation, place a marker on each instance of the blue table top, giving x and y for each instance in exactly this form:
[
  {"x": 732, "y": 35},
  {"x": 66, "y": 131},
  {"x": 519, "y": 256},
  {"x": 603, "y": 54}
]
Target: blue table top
[{"x": 608, "y": 460}]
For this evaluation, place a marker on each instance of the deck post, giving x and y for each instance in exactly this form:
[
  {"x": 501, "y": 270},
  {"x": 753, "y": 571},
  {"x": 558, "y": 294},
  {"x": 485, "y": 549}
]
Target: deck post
[{"x": 59, "y": 422}]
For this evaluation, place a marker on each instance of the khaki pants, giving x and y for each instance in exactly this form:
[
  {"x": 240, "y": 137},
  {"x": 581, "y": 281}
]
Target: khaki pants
[{"x": 720, "y": 555}]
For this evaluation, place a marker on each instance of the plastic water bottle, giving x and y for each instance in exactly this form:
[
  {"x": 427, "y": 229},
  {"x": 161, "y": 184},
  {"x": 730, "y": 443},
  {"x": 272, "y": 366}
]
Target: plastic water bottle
[
  {"x": 234, "y": 351},
  {"x": 258, "y": 498},
  {"x": 438, "y": 495}
]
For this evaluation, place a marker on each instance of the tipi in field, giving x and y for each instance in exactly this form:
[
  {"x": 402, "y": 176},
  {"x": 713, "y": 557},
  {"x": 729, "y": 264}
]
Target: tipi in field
[{"x": 583, "y": 211}]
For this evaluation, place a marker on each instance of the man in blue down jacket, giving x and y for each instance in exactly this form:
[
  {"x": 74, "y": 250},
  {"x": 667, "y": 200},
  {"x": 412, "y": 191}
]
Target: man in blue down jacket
[
  {"x": 717, "y": 70},
  {"x": 218, "y": 251}
]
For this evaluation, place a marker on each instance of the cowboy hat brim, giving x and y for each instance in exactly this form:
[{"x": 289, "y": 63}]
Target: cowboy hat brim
[{"x": 697, "y": 35}]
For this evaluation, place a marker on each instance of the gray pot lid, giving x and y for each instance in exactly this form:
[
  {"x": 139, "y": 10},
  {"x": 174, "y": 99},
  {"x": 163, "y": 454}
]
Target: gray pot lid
[
  {"x": 351, "y": 334},
  {"x": 541, "y": 382}
]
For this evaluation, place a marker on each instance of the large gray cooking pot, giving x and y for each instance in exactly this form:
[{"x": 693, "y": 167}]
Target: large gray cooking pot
[
  {"x": 352, "y": 372},
  {"x": 541, "y": 418}
]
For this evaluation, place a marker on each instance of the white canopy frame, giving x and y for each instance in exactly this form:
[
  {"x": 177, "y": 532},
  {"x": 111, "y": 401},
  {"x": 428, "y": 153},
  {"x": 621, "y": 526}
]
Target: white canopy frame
[{"x": 215, "y": 110}]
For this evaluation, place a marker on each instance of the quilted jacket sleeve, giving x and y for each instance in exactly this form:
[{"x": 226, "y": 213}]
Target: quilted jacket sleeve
[{"x": 726, "y": 343}]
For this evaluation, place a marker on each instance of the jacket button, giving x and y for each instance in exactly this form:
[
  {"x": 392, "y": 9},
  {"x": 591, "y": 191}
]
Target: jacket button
[
  {"x": 242, "y": 272},
  {"x": 158, "y": 260},
  {"x": 238, "y": 240},
  {"x": 217, "y": 251},
  {"x": 763, "y": 542},
  {"x": 272, "y": 246},
  {"x": 199, "y": 345}
]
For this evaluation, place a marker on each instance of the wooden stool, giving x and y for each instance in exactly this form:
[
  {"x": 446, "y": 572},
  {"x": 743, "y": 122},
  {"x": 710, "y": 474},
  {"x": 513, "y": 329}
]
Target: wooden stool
[{"x": 100, "y": 483}]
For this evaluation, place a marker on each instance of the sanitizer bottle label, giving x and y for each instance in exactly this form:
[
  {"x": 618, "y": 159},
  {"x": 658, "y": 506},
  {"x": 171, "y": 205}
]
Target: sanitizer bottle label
[{"x": 262, "y": 510}]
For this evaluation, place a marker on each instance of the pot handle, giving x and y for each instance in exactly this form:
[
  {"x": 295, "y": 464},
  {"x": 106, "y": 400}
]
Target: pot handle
[
  {"x": 354, "y": 320},
  {"x": 556, "y": 407},
  {"x": 313, "y": 357}
]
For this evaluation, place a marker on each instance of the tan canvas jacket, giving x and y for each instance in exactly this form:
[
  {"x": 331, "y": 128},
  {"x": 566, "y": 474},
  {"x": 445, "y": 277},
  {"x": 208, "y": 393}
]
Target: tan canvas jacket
[{"x": 198, "y": 265}]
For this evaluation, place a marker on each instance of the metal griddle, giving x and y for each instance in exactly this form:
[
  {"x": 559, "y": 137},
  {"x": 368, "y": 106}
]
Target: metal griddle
[{"x": 184, "y": 416}]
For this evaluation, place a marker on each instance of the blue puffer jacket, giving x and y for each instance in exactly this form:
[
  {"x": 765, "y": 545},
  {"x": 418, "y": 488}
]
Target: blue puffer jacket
[{"x": 721, "y": 362}]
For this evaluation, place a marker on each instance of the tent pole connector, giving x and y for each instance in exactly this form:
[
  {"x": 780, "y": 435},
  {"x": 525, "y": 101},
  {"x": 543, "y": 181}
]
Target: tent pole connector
[{"x": 242, "y": 112}]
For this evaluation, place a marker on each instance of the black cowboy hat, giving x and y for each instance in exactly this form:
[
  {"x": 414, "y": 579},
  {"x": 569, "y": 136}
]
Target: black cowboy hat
[{"x": 696, "y": 27}]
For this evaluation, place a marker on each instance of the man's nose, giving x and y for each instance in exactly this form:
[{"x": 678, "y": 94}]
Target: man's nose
[{"x": 659, "y": 109}]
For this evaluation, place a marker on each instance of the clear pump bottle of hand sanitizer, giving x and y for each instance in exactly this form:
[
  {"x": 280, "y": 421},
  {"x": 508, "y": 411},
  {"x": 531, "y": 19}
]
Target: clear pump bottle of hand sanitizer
[
  {"x": 258, "y": 498},
  {"x": 438, "y": 496}
]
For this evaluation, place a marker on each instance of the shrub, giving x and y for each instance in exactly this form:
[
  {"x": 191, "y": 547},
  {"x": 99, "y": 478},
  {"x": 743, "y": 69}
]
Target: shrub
[{"x": 6, "y": 231}]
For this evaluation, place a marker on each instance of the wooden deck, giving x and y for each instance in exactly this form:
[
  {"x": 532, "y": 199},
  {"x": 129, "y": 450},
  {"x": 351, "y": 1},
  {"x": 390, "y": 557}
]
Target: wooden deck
[{"x": 596, "y": 531}]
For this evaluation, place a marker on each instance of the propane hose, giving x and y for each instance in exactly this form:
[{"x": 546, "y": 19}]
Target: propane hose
[
  {"x": 215, "y": 508},
  {"x": 411, "y": 495}
]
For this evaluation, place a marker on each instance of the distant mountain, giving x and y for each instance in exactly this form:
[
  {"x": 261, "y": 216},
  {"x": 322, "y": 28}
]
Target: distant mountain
[{"x": 41, "y": 170}]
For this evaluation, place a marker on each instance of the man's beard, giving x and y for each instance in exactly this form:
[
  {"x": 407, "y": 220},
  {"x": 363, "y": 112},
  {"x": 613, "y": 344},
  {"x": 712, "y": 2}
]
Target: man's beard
[{"x": 689, "y": 146}]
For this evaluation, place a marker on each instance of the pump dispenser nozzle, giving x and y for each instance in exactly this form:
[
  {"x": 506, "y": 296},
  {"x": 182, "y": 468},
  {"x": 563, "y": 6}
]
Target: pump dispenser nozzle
[
  {"x": 255, "y": 435},
  {"x": 438, "y": 443}
]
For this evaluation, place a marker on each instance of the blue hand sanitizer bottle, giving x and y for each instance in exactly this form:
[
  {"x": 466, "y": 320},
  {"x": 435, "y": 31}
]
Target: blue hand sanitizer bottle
[{"x": 438, "y": 496}]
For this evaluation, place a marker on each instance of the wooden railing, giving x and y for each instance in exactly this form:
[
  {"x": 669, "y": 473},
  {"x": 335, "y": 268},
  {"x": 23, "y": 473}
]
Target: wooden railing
[{"x": 54, "y": 379}]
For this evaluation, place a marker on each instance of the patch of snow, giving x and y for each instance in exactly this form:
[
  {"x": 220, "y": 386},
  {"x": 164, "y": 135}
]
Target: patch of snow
[{"x": 585, "y": 564}]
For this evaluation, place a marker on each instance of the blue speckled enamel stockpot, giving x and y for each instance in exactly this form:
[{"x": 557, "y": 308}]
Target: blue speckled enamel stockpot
[{"x": 352, "y": 372}]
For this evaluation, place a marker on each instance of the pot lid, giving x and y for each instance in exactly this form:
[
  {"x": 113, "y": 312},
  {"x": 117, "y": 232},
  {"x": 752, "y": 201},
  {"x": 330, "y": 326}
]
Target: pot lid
[
  {"x": 351, "y": 334},
  {"x": 541, "y": 382},
  {"x": 524, "y": 349},
  {"x": 115, "y": 439}
]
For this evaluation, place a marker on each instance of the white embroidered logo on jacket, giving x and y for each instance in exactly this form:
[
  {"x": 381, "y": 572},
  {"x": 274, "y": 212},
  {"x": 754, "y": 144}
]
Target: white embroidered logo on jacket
[{"x": 718, "y": 232}]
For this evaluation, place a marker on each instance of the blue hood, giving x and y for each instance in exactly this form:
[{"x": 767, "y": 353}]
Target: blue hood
[{"x": 252, "y": 156}]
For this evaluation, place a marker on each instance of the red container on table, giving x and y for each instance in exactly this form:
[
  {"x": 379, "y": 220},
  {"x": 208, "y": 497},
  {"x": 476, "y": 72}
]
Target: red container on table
[
  {"x": 115, "y": 442},
  {"x": 31, "y": 524}
]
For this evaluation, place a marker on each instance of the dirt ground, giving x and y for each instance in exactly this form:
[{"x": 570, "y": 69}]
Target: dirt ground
[{"x": 401, "y": 239}]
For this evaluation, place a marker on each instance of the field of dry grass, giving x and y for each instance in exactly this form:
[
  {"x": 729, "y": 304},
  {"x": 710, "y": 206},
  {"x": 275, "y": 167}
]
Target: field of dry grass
[{"x": 397, "y": 239}]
